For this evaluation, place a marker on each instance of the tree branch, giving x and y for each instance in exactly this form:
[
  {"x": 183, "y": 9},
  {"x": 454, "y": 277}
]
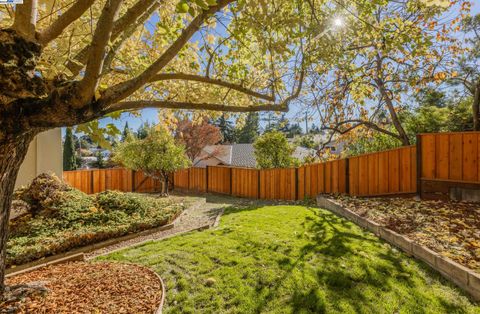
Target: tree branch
[
  {"x": 129, "y": 18},
  {"x": 128, "y": 32},
  {"x": 96, "y": 56},
  {"x": 203, "y": 79},
  {"x": 63, "y": 21},
  {"x": 26, "y": 19},
  {"x": 125, "y": 89},
  {"x": 134, "y": 105}
]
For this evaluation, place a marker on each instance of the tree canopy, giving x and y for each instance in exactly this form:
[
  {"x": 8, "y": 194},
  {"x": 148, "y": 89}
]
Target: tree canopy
[
  {"x": 157, "y": 155},
  {"x": 272, "y": 150}
]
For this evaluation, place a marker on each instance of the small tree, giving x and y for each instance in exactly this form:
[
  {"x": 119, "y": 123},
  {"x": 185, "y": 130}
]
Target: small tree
[
  {"x": 100, "y": 160},
  {"x": 195, "y": 136},
  {"x": 272, "y": 150},
  {"x": 69, "y": 158},
  {"x": 157, "y": 155}
]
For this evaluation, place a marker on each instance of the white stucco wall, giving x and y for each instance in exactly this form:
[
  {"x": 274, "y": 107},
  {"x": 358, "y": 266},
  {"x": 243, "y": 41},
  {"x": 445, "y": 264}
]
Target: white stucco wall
[{"x": 44, "y": 155}]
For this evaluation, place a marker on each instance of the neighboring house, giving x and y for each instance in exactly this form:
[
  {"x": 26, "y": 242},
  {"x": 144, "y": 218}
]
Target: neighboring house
[
  {"x": 44, "y": 155},
  {"x": 237, "y": 155}
]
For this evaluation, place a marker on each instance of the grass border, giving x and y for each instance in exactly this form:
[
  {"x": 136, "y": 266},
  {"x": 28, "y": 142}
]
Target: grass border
[{"x": 464, "y": 277}]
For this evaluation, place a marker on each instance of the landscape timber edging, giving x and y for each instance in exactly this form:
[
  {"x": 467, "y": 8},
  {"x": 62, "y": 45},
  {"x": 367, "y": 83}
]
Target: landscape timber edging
[
  {"x": 71, "y": 255},
  {"x": 463, "y": 277}
]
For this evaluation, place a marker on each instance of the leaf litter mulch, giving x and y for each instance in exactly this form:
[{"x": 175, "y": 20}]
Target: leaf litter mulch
[
  {"x": 451, "y": 229},
  {"x": 83, "y": 287}
]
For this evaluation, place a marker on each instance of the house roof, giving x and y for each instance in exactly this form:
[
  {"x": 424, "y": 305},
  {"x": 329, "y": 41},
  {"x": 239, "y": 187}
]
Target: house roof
[{"x": 243, "y": 155}]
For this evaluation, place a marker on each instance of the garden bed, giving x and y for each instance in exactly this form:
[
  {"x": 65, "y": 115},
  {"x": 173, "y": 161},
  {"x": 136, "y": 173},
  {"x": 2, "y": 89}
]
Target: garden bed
[
  {"x": 82, "y": 287},
  {"x": 452, "y": 229},
  {"x": 60, "y": 218}
]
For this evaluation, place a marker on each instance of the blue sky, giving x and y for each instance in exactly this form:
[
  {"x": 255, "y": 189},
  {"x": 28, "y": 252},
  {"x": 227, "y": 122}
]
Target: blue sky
[{"x": 151, "y": 115}]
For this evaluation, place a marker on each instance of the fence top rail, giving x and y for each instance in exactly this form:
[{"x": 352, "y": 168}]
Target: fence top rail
[
  {"x": 449, "y": 133},
  {"x": 382, "y": 151}
]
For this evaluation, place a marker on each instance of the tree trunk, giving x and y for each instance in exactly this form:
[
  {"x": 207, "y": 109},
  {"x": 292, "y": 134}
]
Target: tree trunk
[
  {"x": 476, "y": 108},
  {"x": 12, "y": 153},
  {"x": 165, "y": 185}
]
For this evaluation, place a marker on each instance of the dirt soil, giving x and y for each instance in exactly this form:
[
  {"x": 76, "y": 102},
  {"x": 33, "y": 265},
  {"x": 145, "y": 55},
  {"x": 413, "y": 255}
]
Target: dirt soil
[
  {"x": 451, "y": 229},
  {"x": 84, "y": 287}
]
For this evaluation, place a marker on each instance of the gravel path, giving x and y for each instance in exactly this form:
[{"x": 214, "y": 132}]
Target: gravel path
[{"x": 201, "y": 213}]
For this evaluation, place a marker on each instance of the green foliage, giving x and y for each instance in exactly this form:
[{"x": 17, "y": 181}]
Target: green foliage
[
  {"x": 69, "y": 158},
  {"x": 272, "y": 150},
  {"x": 62, "y": 218},
  {"x": 306, "y": 141},
  {"x": 126, "y": 132},
  {"x": 227, "y": 130},
  {"x": 292, "y": 259},
  {"x": 156, "y": 155},
  {"x": 249, "y": 132},
  {"x": 374, "y": 142},
  {"x": 100, "y": 162},
  {"x": 142, "y": 131}
]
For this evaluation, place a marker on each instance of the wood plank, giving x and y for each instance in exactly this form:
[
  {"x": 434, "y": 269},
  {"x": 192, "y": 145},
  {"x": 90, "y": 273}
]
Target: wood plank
[
  {"x": 335, "y": 178},
  {"x": 470, "y": 157},
  {"x": 442, "y": 149},
  {"x": 353, "y": 176},
  {"x": 456, "y": 156},
  {"x": 363, "y": 175},
  {"x": 328, "y": 177},
  {"x": 393, "y": 171},
  {"x": 405, "y": 169},
  {"x": 428, "y": 156}
]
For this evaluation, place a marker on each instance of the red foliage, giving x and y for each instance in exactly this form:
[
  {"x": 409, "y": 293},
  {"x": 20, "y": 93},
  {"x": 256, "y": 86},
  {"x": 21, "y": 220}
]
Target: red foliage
[{"x": 196, "y": 136}]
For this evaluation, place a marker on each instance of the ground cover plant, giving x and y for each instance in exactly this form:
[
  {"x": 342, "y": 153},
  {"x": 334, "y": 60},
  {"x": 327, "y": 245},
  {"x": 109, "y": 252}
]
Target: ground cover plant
[
  {"x": 58, "y": 218},
  {"x": 449, "y": 228},
  {"x": 292, "y": 259}
]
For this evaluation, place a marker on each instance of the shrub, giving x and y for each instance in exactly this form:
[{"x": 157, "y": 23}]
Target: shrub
[{"x": 62, "y": 218}]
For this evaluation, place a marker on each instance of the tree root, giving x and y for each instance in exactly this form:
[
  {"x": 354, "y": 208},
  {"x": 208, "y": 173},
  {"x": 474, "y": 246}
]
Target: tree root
[{"x": 14, "y": 296}]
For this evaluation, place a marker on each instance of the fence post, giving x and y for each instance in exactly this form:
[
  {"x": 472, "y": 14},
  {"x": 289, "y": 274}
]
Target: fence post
[
  {"x": 206, "y": 179},
  {"x": 347, "y": 176},
  {"x": 133, "y": 180},
  {"x": 188, "y": 179},
  {"x": 296, "y": 183},
  {"x": 92, "y": 189},
  {"x": 231, "y": 181},
  {"x": 258, "y": 184},
  {"x": 419, "y": 165}
]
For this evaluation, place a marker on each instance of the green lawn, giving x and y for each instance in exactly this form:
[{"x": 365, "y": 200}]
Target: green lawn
[{"x": 292, "y": 259}]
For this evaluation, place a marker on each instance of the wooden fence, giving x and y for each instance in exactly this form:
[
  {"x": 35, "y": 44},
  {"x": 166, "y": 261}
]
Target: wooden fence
[
  {"x": 389, "y": 172},
  {"x": 448, "y": 160},
  {"x": 98, "y": 180},
  {"x": 438, "y": 163}
]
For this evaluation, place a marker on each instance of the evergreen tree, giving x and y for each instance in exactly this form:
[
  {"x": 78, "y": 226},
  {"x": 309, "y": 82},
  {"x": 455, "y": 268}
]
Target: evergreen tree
[
  {"x": 126, "y": 132},
  {"x": 69, "y": 158},
  {"x": 250, "y": 130},
  {"x": 227, "y": 130},
  {"x": 100, "y": 162},
  {"x": 142, "y": 131}
]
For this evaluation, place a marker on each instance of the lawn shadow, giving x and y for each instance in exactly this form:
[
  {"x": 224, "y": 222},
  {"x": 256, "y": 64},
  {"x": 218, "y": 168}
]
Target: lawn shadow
[{"x": 333, "y": 241}]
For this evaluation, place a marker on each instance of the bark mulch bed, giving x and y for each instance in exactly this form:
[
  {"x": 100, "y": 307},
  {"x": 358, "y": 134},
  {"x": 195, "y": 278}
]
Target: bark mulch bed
[
  {"x": 452, "y": 229},
  {"x": 83, "y": 287}
]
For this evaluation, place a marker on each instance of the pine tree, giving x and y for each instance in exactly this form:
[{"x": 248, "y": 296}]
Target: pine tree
[
  {"x": 69, "y": 158},
  {"x": 126, "y": 132},
  {"x": 250, "y": 130},
  {"x": 100, "y": 162},
  {"x": 227, "y": 130}
]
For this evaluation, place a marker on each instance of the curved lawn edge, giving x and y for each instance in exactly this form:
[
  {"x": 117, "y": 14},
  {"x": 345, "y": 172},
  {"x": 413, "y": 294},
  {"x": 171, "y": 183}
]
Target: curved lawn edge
[{"x": 53, "y": 259}]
